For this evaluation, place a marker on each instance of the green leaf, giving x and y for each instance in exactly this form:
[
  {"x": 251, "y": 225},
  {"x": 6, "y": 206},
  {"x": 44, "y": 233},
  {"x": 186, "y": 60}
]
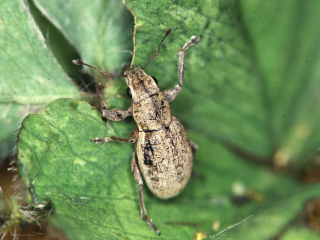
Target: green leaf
[
  {"x": 62, "y": 165},
  {"x": 299, "y": 232},
  {"x": 267, "y": 221},
  {"x": 94, "y": 192},
  {"x": 30, "y": 76},
  {"x": 227, "y": 106},
  {"x": 99, "y": 30},
  {"x": 285, "y": 36}
]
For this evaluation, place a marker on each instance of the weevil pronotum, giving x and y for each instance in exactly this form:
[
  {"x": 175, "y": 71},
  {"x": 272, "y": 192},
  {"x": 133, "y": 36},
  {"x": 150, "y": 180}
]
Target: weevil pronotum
[{"x": 163, "y": 148}]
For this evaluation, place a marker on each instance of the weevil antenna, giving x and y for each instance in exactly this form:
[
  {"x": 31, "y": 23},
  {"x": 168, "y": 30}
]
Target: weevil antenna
[
  {"x": 78, "y": 62},
  {"x": 157, "y": 53}
]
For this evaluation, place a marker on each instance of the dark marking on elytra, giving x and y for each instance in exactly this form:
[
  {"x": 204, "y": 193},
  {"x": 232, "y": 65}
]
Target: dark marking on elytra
[
  {"x": 155, "y": 179},
  {"x": 147, "y": 158},
  {"x": 149, "y": 147}
]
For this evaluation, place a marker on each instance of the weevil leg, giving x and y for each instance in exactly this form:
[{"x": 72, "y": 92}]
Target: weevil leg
[
  {"x": 133, "y": 138},
  {"x": 137, "y": 176},
  {"x": 194, "y": 146},
  {"x": 181, "y": 53},
  {"x": 113, "y": 114},
  {"x": 170, "y": 94},
  {"x": 116, "y": 114}
]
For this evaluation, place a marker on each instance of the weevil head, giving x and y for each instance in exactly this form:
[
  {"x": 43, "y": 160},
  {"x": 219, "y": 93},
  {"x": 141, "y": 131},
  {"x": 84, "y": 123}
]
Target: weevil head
[{"x": 140, "y": 84}]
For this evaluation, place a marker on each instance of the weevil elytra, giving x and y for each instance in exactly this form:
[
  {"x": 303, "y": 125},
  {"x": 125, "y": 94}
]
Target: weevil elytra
[{"x": 163, "y": 148}]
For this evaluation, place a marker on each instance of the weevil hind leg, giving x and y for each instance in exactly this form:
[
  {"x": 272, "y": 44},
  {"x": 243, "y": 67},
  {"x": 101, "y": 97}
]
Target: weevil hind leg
[
  {"x": 139, "y": 181},
  {"x": 170, "y": 94}
]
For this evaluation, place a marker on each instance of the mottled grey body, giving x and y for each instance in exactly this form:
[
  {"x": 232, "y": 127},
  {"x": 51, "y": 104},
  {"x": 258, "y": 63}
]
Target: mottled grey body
[
  {"x": 163, "y": 148},
  {"x": 165, "y": 159}
]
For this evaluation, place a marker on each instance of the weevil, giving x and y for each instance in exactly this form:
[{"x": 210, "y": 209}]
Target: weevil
[{"x": 163, "y": 149}]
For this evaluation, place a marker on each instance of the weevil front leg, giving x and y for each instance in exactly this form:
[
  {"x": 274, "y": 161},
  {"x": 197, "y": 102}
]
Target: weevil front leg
[
  {"x": 170, "y": 94},
  {"x": 137, "y": 176},
  {"x": 113, "y": 114}
]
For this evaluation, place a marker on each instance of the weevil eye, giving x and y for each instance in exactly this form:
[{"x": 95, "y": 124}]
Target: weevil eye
[
  {"x": 129, "y": 92},
  {"x": 155, "y": 80}
]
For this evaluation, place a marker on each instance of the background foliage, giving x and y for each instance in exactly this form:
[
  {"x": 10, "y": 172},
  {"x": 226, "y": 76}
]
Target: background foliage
[{"x": 250, "y": 94}]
